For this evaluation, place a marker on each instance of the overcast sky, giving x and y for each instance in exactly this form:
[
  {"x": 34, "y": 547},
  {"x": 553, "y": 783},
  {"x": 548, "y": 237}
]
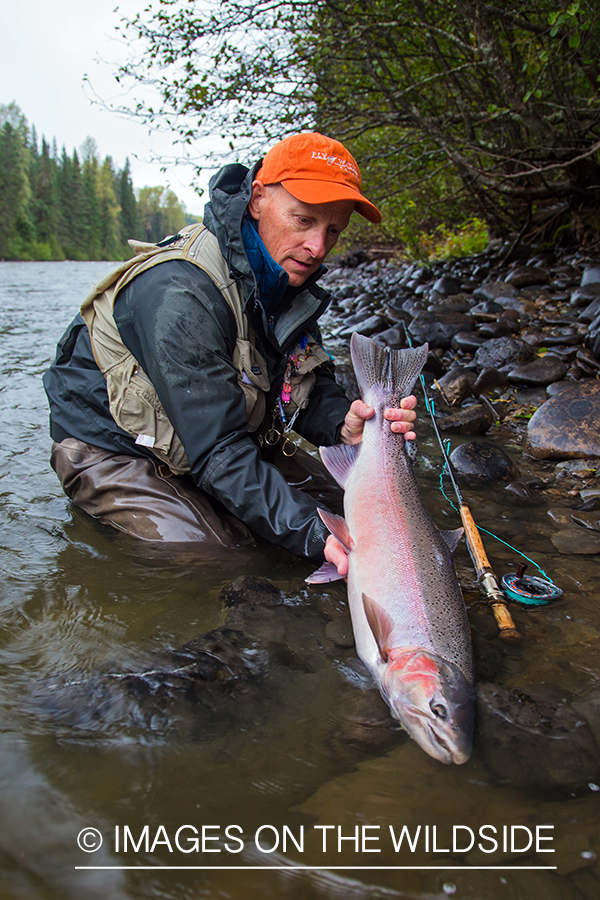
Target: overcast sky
[{"x": 46, "y": 49}]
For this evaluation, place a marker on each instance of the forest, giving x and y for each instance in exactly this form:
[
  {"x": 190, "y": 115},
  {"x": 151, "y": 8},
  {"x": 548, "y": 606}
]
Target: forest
[
  {"x": 59, "y": 205},
  {"x": 454, "y": 109}
]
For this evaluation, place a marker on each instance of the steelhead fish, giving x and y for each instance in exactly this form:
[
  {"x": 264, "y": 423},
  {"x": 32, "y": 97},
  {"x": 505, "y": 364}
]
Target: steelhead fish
[{"x": 408, "y": 614}]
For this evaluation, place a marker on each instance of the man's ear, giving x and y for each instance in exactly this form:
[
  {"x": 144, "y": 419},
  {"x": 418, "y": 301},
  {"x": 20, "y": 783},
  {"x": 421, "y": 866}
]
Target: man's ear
[{"x": 258, "y": 195}]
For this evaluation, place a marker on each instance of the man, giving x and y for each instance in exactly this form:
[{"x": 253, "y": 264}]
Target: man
[{"x": 173, "y": 394}]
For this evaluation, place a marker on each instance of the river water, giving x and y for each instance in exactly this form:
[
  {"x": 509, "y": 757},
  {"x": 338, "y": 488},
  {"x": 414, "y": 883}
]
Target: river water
[{"x": 306, "y": 745}]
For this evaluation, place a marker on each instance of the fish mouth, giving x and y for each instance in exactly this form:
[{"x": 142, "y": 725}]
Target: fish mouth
[{"x": 445, "y": 744}]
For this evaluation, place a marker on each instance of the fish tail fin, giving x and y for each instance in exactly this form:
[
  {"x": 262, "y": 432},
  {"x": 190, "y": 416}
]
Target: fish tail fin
[{"x": 394, "y": 370}]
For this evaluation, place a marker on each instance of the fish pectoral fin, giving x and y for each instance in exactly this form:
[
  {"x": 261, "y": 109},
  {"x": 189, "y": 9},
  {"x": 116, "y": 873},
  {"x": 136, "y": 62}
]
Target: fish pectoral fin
[
  {"x": 380, "y": 624},
  {"x": 452, "y": 538},
  {"x": 338, "y": 527},
  {"x": 339, "y": 461},
  {"x": 328, "y": 572}
]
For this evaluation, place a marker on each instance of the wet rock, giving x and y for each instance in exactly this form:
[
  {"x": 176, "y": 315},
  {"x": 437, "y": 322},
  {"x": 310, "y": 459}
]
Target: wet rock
[
  {"x": 568, "y": 516},
  {"x": 579, "y": 468},
  {"x": 525, "y": 308},
  {"x": 393, "y": 337},
  {"x": 591, "y": 275},
  {"x": 483, "y": 462},
  {"x": 490, "y": 380},
  {"x": 531, "y": 397},
  {"x": 504, "y": 351},
  {"x": 494, "y": 289},
  {"x": 535, "y": 741},
  {"x": 438, "y": 330},
  {"x": 523, "y": 276},
  {"x": 566, "y": 426},
  {"x": 580, "y": 541},
  {"x": 583, "y": 296},
  {"x": 339, "y": 630},
  {"x": 368, "y": 327},
  {"x": 189, "y": 684},
  {"x": 590, "y": 494},
  {"x": 345, "y": 377},
  {"x": 501, "y": 328},
  {"x": 458, "y": 303},
  {"x": 487, "y": 309},
  {"x": 457, "y": 384},
  {"x": 590, "y": 312},
  {"x": 447, "y": 285},
  {"x": 593, "y": 338},
  {"x": 542, "y": 371},
  {"x": 250, "y": 590},
  {"x": 475, "y": 419},
  {"x": 560, "y": 387},
  {"x": 521, "y": 490},
  {"x": 469, "y": 341}
]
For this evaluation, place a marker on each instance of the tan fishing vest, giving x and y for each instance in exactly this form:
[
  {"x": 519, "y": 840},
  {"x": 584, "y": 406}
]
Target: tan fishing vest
[{"x": 133, "y": 401}]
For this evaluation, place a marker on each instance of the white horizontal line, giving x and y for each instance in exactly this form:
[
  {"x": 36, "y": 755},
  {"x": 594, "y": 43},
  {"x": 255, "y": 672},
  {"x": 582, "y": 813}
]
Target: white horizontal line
[{"x": 337, "y": 868}]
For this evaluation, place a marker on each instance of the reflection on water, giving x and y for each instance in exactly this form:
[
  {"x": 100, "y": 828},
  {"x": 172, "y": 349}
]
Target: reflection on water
[{"x": 103, "y": 725}]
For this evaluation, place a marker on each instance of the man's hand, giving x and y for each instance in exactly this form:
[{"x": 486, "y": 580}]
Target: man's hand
[
  {"x": 401, "y": 421},
  {"x": 335, "y": 553}
]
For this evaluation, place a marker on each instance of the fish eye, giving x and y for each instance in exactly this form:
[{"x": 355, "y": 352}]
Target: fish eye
[{"x": 439, "y": 710}]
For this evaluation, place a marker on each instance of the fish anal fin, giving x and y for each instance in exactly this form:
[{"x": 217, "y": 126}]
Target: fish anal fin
[
  {"x": 338, "y": 527},
  {"x": 328, "y": 572},
  {"x": 380, "y": 624},
  {"x": 339, "y": 461},
  {"x": 452, "y": 538}
]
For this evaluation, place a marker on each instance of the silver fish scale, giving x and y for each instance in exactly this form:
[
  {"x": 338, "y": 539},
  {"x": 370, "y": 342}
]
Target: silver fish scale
[{"x": 383, "y": 468}]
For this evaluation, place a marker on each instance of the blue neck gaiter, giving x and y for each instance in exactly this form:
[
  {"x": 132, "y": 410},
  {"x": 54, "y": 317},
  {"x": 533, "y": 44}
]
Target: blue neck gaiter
[{"x": 272, "y": 280}]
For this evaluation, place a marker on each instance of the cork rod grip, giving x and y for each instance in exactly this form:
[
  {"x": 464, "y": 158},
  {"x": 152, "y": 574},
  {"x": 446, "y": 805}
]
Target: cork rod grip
[{"x": 485, "y": 573}]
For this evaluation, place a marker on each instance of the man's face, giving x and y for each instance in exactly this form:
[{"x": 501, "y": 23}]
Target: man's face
[{"x": 297, "y": 235}]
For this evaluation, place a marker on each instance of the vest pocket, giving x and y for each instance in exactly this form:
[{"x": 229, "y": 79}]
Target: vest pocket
[
  {"x": 253, "y": 381},
  {"x": 135, "y": 406}
]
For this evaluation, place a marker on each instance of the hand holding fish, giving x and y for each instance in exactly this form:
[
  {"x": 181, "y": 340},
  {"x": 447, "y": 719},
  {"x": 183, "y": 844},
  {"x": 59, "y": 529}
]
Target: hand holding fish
[
  {"x": 336, "y": 555},
  {"x": 401, "y": 420}
]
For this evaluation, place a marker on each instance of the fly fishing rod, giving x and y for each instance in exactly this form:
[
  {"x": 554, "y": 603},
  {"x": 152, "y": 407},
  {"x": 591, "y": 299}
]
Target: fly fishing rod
[{"x": 485, "y": 574}]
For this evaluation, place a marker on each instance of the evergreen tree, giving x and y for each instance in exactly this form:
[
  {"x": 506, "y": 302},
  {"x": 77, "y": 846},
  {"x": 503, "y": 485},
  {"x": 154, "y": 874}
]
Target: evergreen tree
[
  {"x": 16, "y": 233},
  {"x": 52, "y": 206},
  {"x": 45, "y": 205},
  {"x": 108, "y": 210},
  {"x": 130, "y": 220},
  {"x": 90, "y": 208}
]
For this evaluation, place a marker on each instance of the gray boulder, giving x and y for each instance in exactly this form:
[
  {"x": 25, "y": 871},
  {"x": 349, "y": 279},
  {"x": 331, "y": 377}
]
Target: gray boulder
[{"x": 566, "y": 426}]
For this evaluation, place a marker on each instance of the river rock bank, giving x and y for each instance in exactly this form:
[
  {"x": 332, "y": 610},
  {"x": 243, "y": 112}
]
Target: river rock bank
[{"x": 514, "y": 356}]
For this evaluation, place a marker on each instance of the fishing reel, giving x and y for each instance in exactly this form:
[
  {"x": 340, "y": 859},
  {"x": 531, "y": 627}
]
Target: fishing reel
[{"x": 529, "y": 590}]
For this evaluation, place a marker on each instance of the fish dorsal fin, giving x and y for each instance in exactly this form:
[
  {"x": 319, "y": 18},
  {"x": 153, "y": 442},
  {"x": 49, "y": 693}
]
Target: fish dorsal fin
[
  {"x": 380, "y": 624},
  {"x": 394, "y": 370},
  {"x": 452, "y": 538},
  {"x": 339, "y": 460},
  {"x": 338, "y": 527},
  {"x": 328, "y": 572}
]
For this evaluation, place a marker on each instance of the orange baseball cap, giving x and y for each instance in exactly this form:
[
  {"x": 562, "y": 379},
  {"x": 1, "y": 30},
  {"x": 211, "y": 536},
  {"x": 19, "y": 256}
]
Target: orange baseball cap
[{"x": 316, "y": 169}]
